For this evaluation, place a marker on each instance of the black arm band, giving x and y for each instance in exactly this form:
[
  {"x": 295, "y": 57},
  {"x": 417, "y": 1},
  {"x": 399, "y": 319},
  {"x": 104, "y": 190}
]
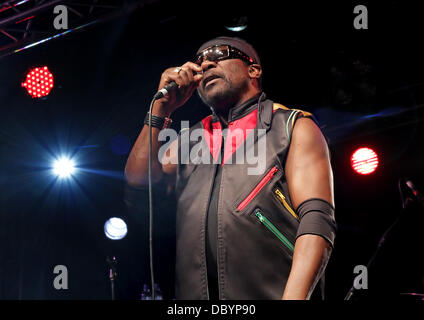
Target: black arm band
[
  {"x": 158, "y": 122},
  {"x": 317, "y": 217}
]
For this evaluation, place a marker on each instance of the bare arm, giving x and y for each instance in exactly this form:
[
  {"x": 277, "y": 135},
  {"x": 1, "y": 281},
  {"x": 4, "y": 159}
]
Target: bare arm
[
  {"x": 136, "y": 169},
  {"x": 309, "y": 175}
]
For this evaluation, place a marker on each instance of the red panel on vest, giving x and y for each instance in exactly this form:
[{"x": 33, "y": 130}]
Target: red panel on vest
[
  {"x": 213, "y": 136},
  {"x": 238, "y": 130}
]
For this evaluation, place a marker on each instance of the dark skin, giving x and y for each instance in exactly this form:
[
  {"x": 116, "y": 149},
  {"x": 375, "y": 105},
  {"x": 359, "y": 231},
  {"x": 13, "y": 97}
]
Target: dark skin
[{"x": 308, "y": 169}]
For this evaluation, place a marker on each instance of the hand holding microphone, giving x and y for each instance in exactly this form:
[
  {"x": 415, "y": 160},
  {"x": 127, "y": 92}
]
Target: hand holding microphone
[{"x": 176, "y": 86}]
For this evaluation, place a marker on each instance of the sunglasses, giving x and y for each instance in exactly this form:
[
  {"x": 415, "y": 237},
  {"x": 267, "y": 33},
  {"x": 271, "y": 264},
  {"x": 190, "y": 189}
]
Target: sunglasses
[{"x": 221, "y": 52}]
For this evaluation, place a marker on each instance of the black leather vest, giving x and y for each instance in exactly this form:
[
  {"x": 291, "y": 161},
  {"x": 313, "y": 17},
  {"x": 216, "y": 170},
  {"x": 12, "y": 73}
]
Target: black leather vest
[{"x": 256, "y": 223}]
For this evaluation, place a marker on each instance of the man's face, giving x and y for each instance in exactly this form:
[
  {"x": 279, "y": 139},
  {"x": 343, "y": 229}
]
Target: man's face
[{"x": 223, "y": 82}]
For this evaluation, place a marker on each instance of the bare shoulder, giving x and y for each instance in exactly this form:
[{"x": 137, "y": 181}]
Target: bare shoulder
[
  {"x": 307, "y": 136},
  {"x": 308, "y": 167},
  {"x": 306, "y": 129}
]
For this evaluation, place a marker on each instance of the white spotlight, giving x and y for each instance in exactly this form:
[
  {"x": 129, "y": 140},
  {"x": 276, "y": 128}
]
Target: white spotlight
[
  {"x": 64, "y": 167},
  {"x": 237, "y": 24},
  {"x": 115, "y": 228},
  {"x": 236, "y": 29}
]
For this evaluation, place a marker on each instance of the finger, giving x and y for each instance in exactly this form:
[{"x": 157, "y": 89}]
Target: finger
[
  {"x": 185, "y": 74},
  {"x": 197, "y": 78},
  {"x": 189, "y": 72},
  {"x": 184, "y": 79},
  {"x": 195, "y": 67},
  {"x": 170, "y": 76}
]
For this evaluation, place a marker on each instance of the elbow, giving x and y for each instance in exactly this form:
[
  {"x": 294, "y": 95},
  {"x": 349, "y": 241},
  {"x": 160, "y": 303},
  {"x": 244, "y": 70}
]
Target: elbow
[
  {"x": 132, "y": 181},
  {"x": 132, "y": 178},
  {"x": 137, "y": 180}
]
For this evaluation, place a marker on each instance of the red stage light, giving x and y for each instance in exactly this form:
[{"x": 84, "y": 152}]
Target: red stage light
[
  {"x": 364, "y": 161},
  {"x": 38, "y": 77}
]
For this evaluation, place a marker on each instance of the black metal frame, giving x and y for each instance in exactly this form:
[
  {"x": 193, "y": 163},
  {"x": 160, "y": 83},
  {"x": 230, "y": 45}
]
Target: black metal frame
[{"x": 18, "y": 17}]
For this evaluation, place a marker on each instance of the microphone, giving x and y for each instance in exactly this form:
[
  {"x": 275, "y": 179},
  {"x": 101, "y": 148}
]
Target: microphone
[
  {"x": 419, "y": 196},
  {"x": 164, "y": 91}
]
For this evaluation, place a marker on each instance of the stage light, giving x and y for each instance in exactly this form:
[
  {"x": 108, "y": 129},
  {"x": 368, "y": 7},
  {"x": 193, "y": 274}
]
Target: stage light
[
  {"x": 115, "y": 228},
  {"x": 236, "y": 29},
  {"x": 64, "y": 167},
  {"x": 38, "y": 82},
  {"x": 364, "y": 161},
  {"x": 237, "y": 24}
]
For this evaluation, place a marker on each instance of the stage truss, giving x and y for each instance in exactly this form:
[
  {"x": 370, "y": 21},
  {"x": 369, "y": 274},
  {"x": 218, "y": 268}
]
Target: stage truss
[{"x": 26, "y": 23}]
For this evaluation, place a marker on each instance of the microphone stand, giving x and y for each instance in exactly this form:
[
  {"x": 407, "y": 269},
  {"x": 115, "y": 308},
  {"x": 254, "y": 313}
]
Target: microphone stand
[
  {"x": 380, "y": 245},
  {"x": 112, "y": 262}
]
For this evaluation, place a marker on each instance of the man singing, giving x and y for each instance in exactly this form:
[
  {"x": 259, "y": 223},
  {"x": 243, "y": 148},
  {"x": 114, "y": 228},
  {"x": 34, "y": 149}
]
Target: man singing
[{"x": 241, "y": 233}]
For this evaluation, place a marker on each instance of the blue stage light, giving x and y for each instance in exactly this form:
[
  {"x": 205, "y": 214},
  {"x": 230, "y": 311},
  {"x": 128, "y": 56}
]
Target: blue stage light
[{"x": 64, "y": 167}]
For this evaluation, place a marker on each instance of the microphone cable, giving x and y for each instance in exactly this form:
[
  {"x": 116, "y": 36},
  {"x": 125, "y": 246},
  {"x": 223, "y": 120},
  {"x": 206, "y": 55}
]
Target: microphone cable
[
  {"x": 152, "y": 275},
  {"x": 164, "y": 91}
]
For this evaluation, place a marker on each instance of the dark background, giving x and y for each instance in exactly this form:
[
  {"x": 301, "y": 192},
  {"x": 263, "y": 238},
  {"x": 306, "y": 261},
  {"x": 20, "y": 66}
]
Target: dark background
[{"x": 364, "y": 86}]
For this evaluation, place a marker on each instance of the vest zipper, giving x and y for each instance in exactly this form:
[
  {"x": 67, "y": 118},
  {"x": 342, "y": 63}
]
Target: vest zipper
[
  {"x": 217, "y": 211},
  {"x": 258, "y": 188},
  {"x": 206, "y": 224},
  {"x": 282, "y": 199},
  {"x": 271, "y": 227}
]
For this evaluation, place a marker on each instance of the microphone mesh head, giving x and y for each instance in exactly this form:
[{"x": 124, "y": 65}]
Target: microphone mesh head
[{"x": 410, "y": 184}]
